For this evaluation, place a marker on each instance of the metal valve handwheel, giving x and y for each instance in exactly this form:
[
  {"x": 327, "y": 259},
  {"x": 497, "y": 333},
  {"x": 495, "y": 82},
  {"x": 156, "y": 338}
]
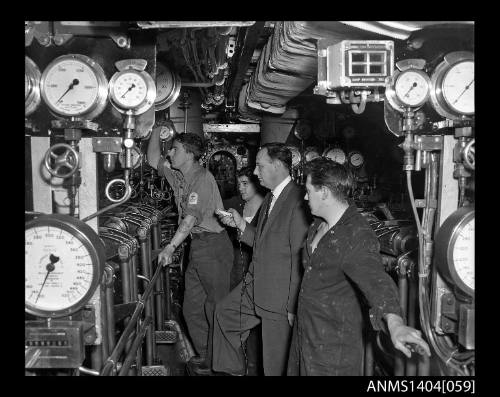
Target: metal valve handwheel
[
  {"x": 68, "y": 159},
  {"x": 126, "y": 195},
  {"x": 469, "y": 155}
]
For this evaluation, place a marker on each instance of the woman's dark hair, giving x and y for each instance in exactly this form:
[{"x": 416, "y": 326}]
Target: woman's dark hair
[
  {"x": 252, "y": 178},
  {"x": 328, "y": 173},
  {"x": 192, "y": 144},
  {"x": 279, "y": 151}
]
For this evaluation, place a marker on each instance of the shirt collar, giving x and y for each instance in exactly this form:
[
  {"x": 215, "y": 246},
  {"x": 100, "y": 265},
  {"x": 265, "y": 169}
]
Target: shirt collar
[{"x": 278, "y": 189}]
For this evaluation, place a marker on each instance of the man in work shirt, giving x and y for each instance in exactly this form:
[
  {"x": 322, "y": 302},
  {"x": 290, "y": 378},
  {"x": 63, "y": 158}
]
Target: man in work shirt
[{"x": 211, "y": 252}]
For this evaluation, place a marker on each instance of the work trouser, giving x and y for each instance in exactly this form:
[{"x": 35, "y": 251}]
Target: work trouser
[
  {"x": 206, "y": 282},
  {"x": 234, "y": 317}
]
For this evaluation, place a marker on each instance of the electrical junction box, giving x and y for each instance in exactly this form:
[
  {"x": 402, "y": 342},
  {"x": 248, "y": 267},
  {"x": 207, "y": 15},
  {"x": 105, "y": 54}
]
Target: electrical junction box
[{"x": 355, "y": 63}]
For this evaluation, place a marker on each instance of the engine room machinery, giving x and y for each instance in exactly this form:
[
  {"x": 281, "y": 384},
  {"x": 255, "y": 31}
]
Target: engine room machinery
[{"x": 98, "y": 303}]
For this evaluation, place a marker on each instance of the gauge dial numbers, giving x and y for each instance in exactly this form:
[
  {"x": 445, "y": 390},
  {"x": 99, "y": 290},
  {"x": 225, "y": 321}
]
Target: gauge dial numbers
[
  {"x": 455, "y": 246},
  {"x": 132, "y": 90},
  {"x": 32, "y": 76},
  {"x": 335, "y": 154},
  {"x": 168, "y": 87},
  {"x": 356, "y": 159},
  {"x": 409, "y": 88},
  {"x": 74, "y": 86},
  {"x": 62, "y": 265},
  {"x": 452, "y": 93}
]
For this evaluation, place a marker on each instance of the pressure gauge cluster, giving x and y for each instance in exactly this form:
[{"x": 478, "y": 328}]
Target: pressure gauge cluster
[
  {"x": 408, "y": 87},
  {"x": 336, "y": 154},
  {"x": 455, "y": 249},
  {"x": 168, "y": 87},
  {"x": 32, "y": 77},
  {"x": 64, "y": 261},
  {"x": 74, "y": 85},
  {"x": 452, "y": 94},
  {"x": 132, "y": 89}
]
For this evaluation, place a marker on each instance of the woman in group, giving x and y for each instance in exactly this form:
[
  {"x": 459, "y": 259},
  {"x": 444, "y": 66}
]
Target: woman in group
[
  {"x": 247, "y": 203},
  {"x": 341, "y": 256}
]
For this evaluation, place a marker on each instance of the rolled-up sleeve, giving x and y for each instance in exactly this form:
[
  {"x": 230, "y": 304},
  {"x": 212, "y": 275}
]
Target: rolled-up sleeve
[{"x": 363, "y": 265}]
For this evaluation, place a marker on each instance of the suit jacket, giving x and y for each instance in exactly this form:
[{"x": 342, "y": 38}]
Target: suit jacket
[{"x": 276, "y": 262}]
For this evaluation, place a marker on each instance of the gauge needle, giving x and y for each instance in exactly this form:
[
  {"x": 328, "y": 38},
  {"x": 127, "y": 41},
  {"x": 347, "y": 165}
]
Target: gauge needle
[
  {"x": 73, "y": 83},
  {"x": 412, "y": 87},
  {"x": 463, "y": 92},
  {"x": 129, "y": 88},
  {"x": 50, "y": 268}
]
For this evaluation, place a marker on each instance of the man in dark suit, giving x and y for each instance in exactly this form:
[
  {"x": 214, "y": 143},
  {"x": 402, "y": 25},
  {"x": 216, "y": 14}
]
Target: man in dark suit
[{"x": 268, "y": 293}]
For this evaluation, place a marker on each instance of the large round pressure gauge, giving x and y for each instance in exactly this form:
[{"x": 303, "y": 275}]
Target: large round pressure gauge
[
  {"x": 64, "y": 260},
  {"x": 132, "y": 90},
  {"x": 356, "y": 159},
  {"x": 74, "y": 85},
  {"x": 455, "y": 249},
  {"x": 168, "y": 87},
  {"x": 335, "y": 154},
  {"x": 409, "y": 88},
  {"x": 295, "y": 156},
  {"x": 32, "y": 77},
  {"x": 452, "y": 94}
]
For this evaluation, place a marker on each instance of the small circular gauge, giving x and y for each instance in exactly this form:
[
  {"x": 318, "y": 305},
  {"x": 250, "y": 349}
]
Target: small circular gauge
[
  {"x": 455, "y": 249},
  {"x": 166, "y": 132},
  {"x": 32, "y": 76},
  {"x": 64, "y": 259},
  {"x": 335, "y": 154},
  {"x": 356, "y": 159},
  {"x": 132, "y": 90},
  {"x": 311, "y": 153},
  {"x": 295, "y": 156},
  {"x": 74, "y": 86},
  {"x": 136, "y": 157},
  {"x": 168, "y": 87},
  {"x": 452, "y": 93},
  {"x": 409, "y": 88}
]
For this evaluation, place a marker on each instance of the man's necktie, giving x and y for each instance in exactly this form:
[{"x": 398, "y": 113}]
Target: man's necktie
[{"x": 268, "y": 207}]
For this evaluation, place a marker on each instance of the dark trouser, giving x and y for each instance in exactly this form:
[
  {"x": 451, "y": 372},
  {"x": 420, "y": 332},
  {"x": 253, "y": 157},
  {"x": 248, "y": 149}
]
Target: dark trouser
[
  {"x": 235, "y": 316},
  {"x": 206, "y": 282}
]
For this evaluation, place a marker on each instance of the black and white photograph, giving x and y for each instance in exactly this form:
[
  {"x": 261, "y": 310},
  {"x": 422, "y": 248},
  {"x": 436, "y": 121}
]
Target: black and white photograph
[{"x": 251, "y": 198}]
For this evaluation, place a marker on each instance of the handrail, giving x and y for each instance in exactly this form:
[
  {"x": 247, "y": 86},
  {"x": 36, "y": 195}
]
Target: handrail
[{"x": 118, "y": 350}]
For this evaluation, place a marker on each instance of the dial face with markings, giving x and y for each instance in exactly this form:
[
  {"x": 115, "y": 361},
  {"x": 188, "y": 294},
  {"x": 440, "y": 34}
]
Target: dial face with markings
[
  {"x": 74, "y": 85},
  {"x": 129, "y": 90},
  {"x": 463, "y": 254},
  {"x": 412, "y": 87},
  {"x": 168, "y": 86},
  {"x": 458, "y": 87},
  {"x": 62, "y": 266},
  {"x": 337, "y": 155},
  {"x": 356, "y": 159}
]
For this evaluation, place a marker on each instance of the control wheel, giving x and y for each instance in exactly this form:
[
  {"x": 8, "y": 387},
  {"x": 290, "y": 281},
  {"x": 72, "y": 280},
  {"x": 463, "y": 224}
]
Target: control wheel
[{"x": 61, "y": 160}]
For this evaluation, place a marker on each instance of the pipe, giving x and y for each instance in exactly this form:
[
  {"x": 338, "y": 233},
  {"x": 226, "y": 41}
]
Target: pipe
[
  {"x": 110, "y": 307},
  {"x": 112, "y": 359},
  {"x": 411, "y": 364},
  {"x": 135, "y": 347},
  {"x": 160, "y": 309},
  {"x": 88, "y": 371},
  {"x": 146, "y": 270}
]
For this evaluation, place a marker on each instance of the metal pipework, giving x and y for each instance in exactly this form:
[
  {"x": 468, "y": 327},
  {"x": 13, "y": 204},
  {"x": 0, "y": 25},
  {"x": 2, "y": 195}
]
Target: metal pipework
[
  {"x": 110, "y": 307},
  {"x": 113, "y": 358},
  {"x": 143, "y": 236},
  {"x": 135, "y": 346}
]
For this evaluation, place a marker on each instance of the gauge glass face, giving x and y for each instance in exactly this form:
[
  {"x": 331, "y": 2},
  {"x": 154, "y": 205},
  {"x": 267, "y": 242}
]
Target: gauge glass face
[
  {"x": 165, "y": 132},
  {"x": 336, "y": 155},
  {"x": 458, "y": 87},
  {"x": 71, "y": 87},
  {"x": 412, "y": 88},
  {"x": 164, "y": 84},
  {"x": 129, "y": 90},
  {"x": 27, "y": 86},
  {"x": 356, "y": 159},
  {"x": 58, "y": 268},
  {"x": 311, "y": 154},
  {"x": 463, "y": 254}
]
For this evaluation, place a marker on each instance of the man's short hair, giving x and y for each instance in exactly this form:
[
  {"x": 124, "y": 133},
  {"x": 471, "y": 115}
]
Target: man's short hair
[
  {"x": 279, "y": 151},
  {"x": 192, "y": 144},
  {"x": 332, "y": 175}
]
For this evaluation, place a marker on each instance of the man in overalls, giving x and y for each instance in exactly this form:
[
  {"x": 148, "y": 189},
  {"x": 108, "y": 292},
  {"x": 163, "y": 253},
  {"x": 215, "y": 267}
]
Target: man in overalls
[{"x": 211, "y": 252}]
